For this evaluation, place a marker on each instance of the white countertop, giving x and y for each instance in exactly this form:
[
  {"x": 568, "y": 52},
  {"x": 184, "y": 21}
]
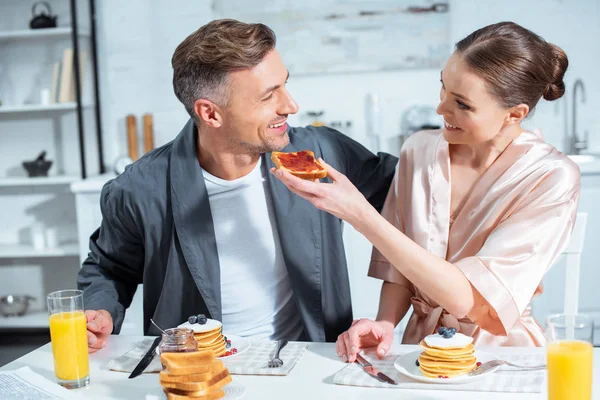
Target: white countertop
[{"x": 311, "y": 378}]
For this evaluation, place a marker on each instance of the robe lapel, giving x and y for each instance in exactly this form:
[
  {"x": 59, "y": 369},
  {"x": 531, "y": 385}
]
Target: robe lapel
[
  {"x": 484, "y": 185},
  {"x": 193, "y": 219},
  {"x": 298, "y": 223}
]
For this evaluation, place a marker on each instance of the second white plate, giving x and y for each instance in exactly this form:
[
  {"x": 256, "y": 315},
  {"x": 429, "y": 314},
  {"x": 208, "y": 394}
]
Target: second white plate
[
  {"x": 406, "y": 365},
  {"x": 237, "y": 342}
]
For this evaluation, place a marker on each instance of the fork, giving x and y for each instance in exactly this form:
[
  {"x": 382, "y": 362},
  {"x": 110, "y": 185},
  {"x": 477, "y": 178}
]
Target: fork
[
  {"x": 496, "y": 363},
  {"x": 276, "y": 362}
]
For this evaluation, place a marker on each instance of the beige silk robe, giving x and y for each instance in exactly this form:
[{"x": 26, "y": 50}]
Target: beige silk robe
[{"x": 513, "y": 226}]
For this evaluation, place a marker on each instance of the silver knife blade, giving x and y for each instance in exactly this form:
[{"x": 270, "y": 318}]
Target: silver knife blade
[
  {"x": 374, "y": 372},
  {"x": 146, "y": 360}
]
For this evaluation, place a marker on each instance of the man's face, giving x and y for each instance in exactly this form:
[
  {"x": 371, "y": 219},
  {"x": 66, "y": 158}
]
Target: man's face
[{"x": 255, "y": 120}]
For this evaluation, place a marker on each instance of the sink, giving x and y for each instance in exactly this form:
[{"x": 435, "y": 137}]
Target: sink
[{"x": 583, "y": 158}]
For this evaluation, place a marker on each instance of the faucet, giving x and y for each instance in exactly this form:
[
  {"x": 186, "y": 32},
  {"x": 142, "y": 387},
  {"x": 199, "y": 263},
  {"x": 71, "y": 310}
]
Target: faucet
[{"x": 576, "y": 145}]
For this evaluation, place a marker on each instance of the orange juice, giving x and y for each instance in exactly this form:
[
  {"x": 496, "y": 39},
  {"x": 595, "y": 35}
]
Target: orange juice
[
  {"x": 68, "y": 334},
  {"x": 569, "y": 370}
]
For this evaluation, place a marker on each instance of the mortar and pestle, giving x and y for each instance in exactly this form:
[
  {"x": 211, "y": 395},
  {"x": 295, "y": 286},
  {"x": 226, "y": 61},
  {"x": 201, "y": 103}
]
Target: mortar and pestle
[{"x": 39, "y": 166}]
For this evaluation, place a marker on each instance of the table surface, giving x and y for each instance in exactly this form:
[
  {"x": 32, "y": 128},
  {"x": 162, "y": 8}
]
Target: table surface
[{"x": 312, "y": 378}]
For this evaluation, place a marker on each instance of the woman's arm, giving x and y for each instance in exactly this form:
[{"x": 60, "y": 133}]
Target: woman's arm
[
  {"x": 437, "y": 278},
  {"x": 394, "y": 302}
]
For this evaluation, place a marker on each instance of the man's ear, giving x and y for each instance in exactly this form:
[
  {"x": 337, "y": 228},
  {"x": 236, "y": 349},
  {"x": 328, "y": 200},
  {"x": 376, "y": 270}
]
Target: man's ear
[
  {"x": 209, "y": 113},
  {"x": 517, "y": 113}
]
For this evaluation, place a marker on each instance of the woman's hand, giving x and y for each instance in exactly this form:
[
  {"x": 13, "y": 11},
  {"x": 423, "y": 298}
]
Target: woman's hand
[
  {"x": 340, "y": 198},
  {"x": 362, "y": 334}
]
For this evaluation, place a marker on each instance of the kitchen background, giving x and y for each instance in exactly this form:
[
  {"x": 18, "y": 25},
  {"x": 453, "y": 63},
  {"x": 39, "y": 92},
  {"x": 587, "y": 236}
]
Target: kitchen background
[{"x": 374, "y": 77}]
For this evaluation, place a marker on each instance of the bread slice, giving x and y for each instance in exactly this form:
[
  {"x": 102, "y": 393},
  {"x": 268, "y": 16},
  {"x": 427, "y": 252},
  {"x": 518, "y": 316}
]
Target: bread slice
[
  {"x": 165, "y": 377},
  {"x": 200, "y": 388},
  {"x": 175, "y": 395},
  {"x": 302, "y": 164},
  {"x": 197, "y": 362}
]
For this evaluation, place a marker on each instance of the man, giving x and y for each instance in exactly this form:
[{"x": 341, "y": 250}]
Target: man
[{"x": 206, "y": 228}]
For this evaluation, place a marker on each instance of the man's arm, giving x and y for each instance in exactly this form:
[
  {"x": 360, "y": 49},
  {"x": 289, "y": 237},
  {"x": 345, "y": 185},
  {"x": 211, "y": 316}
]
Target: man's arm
[{"x": 114, "y": 267}]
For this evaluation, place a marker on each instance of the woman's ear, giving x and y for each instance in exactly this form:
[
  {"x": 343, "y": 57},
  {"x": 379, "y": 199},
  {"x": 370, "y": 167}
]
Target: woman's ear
[{"x": 517, "y": 113}]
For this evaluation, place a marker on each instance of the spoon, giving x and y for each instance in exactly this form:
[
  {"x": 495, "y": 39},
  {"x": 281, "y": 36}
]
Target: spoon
[{"x": 159, "y": 328}]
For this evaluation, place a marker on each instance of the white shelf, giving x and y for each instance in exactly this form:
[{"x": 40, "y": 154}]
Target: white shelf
[
  {"x": 28, "y": 108},
  {"x": 34, "y": 319},
  {"x": 39, "y": 33},
  {"x": 28, "y": 251},
  {"x": 38, "y": 181}
]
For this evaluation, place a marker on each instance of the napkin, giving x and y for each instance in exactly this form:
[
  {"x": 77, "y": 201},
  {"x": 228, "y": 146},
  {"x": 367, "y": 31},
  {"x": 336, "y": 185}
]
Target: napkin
[
  {"x": 253, "y": 361},
  {"x": 503, "y": 380}
]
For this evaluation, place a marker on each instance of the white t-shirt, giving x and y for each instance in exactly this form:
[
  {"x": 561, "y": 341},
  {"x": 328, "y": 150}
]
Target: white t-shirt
[{"x": 256, "y": 296}]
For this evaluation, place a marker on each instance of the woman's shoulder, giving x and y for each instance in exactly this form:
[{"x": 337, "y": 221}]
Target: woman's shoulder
[
  {"x": 422, "y": 140},
  {"x": 552, "y": 161}
]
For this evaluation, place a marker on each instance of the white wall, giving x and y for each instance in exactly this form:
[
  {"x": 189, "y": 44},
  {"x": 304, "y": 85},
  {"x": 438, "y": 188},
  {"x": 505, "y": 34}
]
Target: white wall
[{"x": 137, "y": 39}]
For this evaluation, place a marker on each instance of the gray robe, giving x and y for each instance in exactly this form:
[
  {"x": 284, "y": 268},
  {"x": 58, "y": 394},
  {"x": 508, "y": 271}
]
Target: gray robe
[{"x": 157, "y": 229}]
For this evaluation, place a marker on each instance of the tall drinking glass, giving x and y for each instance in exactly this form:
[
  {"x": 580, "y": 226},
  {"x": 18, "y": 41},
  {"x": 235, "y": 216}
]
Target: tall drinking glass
[
  {"x": 68, "y": 334},
  {"x": 569, "y": 356}
]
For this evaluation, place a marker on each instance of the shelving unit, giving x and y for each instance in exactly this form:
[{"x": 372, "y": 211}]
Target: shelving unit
[
  {"x": 29, "y": 108},
  {"x": 35, "y": 319},
  {"x": 38, "y": 181},
  {"x": 51, "y": 33},
  {"x": 26, "y": 251},
  {"x": 76, "y": 34},
  {"x": 69, "y": 126}
]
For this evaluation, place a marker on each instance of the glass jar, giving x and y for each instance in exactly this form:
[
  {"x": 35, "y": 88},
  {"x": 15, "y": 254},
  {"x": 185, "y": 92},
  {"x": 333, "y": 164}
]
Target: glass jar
[{"x": 178, "y": 340}]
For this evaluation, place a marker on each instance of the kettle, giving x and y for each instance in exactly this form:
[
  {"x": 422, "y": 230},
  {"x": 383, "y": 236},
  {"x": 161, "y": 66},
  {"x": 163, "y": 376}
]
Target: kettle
[{"x": 42, "y": 20}]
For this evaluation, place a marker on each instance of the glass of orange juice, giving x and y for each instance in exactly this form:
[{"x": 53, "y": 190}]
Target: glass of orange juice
[
  {"x": 569, "y": 356},
  {"x": 68, "y": 334}
]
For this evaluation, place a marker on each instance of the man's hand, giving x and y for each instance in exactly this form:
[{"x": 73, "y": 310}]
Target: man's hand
[{"x": 99, "y": 328}]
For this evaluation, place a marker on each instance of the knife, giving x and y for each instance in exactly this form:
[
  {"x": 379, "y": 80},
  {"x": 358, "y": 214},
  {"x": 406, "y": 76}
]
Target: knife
[
  {"x": 374, "y": 372},
  {"x": 146, "y": 360}
]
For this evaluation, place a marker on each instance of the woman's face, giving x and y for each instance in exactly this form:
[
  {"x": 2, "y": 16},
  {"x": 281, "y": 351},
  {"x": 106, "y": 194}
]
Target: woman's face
[{"x": 471, "y": 114}]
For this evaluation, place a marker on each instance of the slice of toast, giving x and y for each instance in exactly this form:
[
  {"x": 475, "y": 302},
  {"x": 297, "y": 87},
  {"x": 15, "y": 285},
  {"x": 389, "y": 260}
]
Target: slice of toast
[
  {"x": 200, "y": 388},
  {"x": 197, "y": 362},
  {"x": 302, "y": 164},
  {"x": 176, "y": 395},
  {"x": 165, "y": 377}
]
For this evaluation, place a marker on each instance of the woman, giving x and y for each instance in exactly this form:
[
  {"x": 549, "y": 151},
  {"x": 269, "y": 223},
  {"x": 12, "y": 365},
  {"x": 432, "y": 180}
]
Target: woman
[{"x": 478, "y": 211}]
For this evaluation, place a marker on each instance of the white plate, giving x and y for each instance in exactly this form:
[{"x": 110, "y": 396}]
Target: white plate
[
  {"x": 240, "y": 343},
  {"x": 407, "y": 366}
]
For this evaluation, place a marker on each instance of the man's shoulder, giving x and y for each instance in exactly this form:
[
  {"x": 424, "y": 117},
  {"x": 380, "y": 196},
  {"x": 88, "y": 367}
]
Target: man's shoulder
[{"x": 146, "y": 176}]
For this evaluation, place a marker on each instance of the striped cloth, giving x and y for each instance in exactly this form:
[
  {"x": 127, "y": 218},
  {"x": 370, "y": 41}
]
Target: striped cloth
[
  {"x": 253, "y": 361},
  {"x": 502, "y": 380}
]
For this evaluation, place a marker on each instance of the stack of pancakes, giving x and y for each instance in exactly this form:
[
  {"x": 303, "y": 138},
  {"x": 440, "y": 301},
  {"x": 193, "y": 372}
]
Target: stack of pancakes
[
  {"x": 208, "y": 335},
  {"x": 447, "y": 357},
  {"x": 196, "y": 375}
]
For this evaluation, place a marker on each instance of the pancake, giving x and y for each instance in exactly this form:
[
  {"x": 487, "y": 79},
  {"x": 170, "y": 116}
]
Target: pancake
[
  {"x": 447, "y": 355},
  {"x": 208, "y": 335}
]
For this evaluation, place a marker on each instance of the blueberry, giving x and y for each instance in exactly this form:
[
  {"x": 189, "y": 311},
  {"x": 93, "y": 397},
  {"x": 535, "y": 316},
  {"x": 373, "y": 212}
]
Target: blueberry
[
  {"x": 202, "y": 319},
  {"x": 417, "y": 362},
  {"x": 193, "y": 319},
  {"x": 453, "y": 330},
  {"x": 441, "y": 330},
  {"x": 227, "y": 345},
  {"x": 447, "y": 335}
]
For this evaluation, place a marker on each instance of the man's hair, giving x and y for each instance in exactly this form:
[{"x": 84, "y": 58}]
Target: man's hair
[{"x": 203, "y": 61}]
